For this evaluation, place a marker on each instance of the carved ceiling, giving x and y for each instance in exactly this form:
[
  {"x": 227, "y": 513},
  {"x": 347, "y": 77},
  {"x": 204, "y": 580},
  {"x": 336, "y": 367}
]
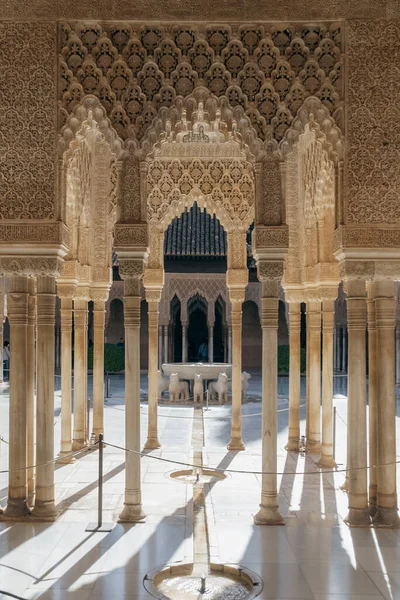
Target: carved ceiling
[{"x": 134, "y": 70}]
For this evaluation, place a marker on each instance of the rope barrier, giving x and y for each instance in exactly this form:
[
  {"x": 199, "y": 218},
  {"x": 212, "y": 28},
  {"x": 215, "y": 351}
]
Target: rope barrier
[
  {"x": 49, "y": 462},
  {"x": 243, "y": 472}
]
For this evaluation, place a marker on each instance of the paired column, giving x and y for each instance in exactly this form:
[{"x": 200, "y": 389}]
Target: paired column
[
  {"x": 132, "y": 511},
  {"x": 153, "y": 299},
  {"x": 237, "y": 298},
  {"x": 229, "y": 345},
  {"x": 66, "y": 380},
  {"x": 372, "y": 400},
  {"x": 269, "y": 508},
  {"x": 294, "y": 376},
  {"x": 98, "y": 365},
  {"x": 166, "y": 340},
  {"x": 80, "y": 435},
  {"x": 160, "y": 346},
  {"x": 30, "y": 390},
  {"x": 358, "y": 514},
  {"x": 211, "y": 343},
  {"x": 18, "y": 301},
  {"x": 328, "y": 312},
  {"x": 314, "y": 374},
  {"x": 184, "y": 342},
  {"x": 386, "y": 509},
  {"x": 45, "y": 497}
]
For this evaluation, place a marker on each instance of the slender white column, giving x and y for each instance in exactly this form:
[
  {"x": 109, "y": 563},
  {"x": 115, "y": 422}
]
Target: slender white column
[
  {"x": 344, "y": 349},
  {"x": 358, "y": 514},
  {"x": 132, "y": 511},
  {"x": 80, "y": 435},
  {"x": 211, "y": 343},
  {"x": 386, "y": 510},
  {"x": 328, "y": 312},
  {"x": 229, "y": 345},
  {"x": 66, "y": 381},
  {"x": 372, "y": 400},
  {"x": 166, "y": 342},
  {"x": 184, "y": 343},
  {"x": 18, "y": 298},
  {"x": 153, "y": 299},
  {"x": 308, "y": 370},
  {"x": 30, "y": 390},
  {"x": 269, "y": 507},
  {"x": 294, "y": 377},
  {"x": 45, "y": 496},
  {"x": 398, "y": 355},
  {"x": 236, "y": 442},
  {"x": 98, "y": 366},
  {"x": 314, "y": 325},
  {"x": 160, "y": 346}
]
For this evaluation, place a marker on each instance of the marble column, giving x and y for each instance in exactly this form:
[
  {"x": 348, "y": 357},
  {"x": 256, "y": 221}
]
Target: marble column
[
  {"x": 308, "y": 366},
  {"x": 153, "y": 299},
  {"x": 132, "y": 511},
  {"x": 45, "y": 493},
  {"x": 80, "y": 434},
  {"x": 30, "y": 391},
  {"x": 386, "y": 509},
  {"x": 210, "y": 343},
  {"x": 184, "y": 342},
  {"x": 328, "y": 318},
  {"x": 358, "y": 515},
  {"x": 237, "y": 298},
  {"x": 398, "y": 355},
  {"x": 66, "y": 380},
  {"x": 166, "y": 342},
  {"x": 160, "y": 346},
  {"x": 314, "y": 338},
  {"x": 269, "y": 507},
  {"x": 229, "y": 345},
  {"x": 98, "y": 366},
  {"x": 372, "y": 400},
  {"x": 18, "y": 301},
  {"x": 294, "y": 377}
]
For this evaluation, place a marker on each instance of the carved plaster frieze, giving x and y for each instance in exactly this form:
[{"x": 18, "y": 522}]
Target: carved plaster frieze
[
  {"x": 366, "y": 237},
  {"x": 131, "y": 235},
  {"x": 271, "y": 237},
  {"x": 356, "y": 269},
  {"x": 34, "y": 233},
  {"x": 30, "y": 266}
]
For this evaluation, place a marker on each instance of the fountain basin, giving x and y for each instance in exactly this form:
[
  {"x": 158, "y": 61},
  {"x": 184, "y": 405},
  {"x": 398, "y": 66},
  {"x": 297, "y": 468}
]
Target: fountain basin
[
  {"x": 223, "y": 582},
  {"x": 187, "y": 476},
  {"x": 189, "y": 370}
]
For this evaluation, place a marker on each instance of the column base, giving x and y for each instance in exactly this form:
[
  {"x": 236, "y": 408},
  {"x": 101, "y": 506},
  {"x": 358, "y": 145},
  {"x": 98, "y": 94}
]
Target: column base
[
  {"x": 236, "y": 445},
  {"x": 17, "y": 508},
  {"x": 386, "y": 517},
  {"x": 31, "y": 499},
  {"x": 45, "y": 510},
  {"x": 268, "y": 515},
  {"x": 132, "y": 513},
  {"x": 65, "y": 458},
  {"x": 313, "y": 447},
  {"x": 345, "y": 486},
  {"x": 152, "y": 444},
  {"x": 358, "y": 517},
  {"x": 292, "y": 445},
  {"x": 79, "y": 444},
  {"x": 326, "y": 462}
]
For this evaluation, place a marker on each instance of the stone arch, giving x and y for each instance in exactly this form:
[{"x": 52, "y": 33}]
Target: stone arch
[
  {"x": 312, "y": 152},
  {"x": 89, "y": 151}
]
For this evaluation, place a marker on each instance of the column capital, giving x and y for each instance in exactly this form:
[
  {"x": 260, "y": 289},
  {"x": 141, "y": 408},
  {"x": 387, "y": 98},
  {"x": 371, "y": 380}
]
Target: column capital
[
  {"x": 99, "y": 293},
  {"x": 131, "y": 268}
]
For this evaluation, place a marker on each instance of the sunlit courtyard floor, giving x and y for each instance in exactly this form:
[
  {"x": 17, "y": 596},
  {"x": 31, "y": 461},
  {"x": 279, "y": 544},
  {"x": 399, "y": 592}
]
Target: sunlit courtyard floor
[{"x": 316, "y": 556}]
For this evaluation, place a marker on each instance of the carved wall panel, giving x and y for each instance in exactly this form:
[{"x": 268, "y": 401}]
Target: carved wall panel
[
  {"x": 373, "y": 170},
  {"x": 28, "y": 118},
  {"x": 136, "y": 69}
]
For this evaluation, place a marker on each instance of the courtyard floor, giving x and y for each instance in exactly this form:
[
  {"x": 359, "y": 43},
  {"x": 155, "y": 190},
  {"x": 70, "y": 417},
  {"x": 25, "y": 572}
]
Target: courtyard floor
[{"x": 314, "y": 557}]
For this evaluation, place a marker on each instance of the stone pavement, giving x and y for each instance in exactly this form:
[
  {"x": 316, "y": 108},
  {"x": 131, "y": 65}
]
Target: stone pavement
[{"x": 315, "y": 557}]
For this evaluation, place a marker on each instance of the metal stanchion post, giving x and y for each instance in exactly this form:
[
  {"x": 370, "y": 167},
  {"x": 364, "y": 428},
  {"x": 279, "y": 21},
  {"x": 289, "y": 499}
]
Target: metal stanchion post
[
  {"x": 100, "y": 526},
  {"x": 334, "y": 433}
]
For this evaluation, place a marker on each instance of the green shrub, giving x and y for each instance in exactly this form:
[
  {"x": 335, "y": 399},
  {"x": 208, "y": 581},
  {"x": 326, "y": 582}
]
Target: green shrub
[
  {"x": 283, "y": 359},
  {"x": 114, "y": 358}
]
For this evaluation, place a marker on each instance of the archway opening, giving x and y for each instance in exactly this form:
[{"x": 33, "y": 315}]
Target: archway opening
[
  {"x": 198, "y": 329},
  {"x": 176, "y": 329},
  {"x": 252, "y": 338},
  {"x": 219, "y": 331}
]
